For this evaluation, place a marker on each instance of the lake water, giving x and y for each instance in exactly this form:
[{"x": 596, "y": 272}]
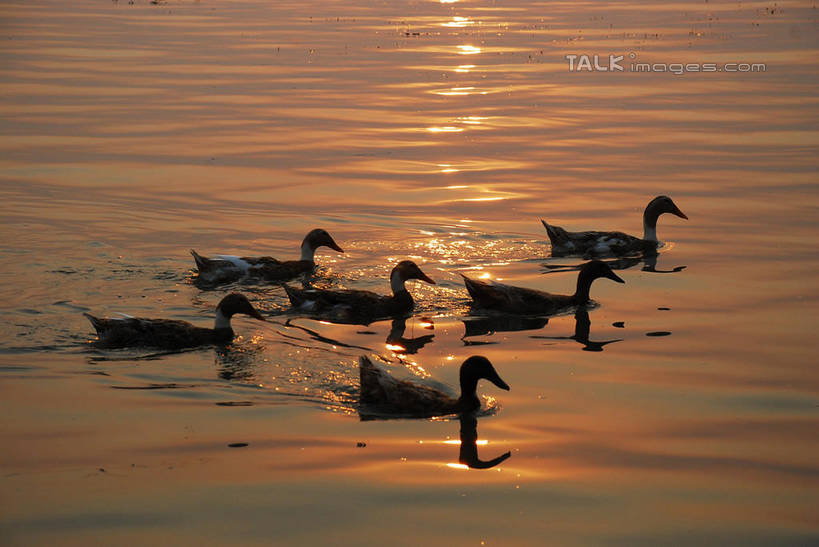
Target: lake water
[{"x": 440, "y": 132}]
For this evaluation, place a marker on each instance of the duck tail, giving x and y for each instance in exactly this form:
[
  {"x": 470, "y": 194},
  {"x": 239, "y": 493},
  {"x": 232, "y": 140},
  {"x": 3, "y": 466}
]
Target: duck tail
[
  {"x": 557, "y": 235},
  {"x": 96, "y": 322},
  {"x": 295, "y": 295},
  {"x": 472, "y": 287},
  {"x": 202, "y": 263},
  {"x": 367, "y": 380},
  {"x": 377, "y": 386}
]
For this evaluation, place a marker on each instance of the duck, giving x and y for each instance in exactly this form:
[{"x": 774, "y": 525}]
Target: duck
[
  {"x": 130, "y": 331},
  {"x": 358, "y": 306},
  {"x": 507, "y": 298},
  {"x": 600, "y": 244},
  {"x": 384, "y": 395},
  {"x": 228, "y": 268}
]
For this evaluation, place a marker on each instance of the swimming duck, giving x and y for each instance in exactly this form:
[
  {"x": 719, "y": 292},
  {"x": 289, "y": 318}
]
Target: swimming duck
[
  {"x": 228, "y": 268},
  {"x": 506, "y": 298},
  {"x": 357, "y": 305},
  {"x": 597, "y": 244},
  {"x": 382, "y": 394},
  {"x": 171, "y": 334}
]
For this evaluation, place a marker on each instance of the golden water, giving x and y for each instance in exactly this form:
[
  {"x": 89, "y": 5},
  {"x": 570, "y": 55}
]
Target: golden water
[{"x": 436, "y": 131}]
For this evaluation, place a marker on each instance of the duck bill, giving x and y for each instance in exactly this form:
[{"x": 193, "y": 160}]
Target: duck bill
[
  {"x": 424, "y": 277},
  {"x": 678, "y": 213},
  {"x": 498, "y": 382},
  {"x": 254, "y": 313},
  {"x": 334, "y": 246},
  {"x": 614, "y": 277}
]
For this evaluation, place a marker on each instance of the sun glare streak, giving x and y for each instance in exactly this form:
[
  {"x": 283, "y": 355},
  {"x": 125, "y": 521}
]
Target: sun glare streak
[
  {"x": 455, "y": 91},
  {"x": 458, "y": 22},
  {"x": 472, "y": 120},
  {"x": 464, "y": 68},
  {"x": 457, "y": 466},
  {"x": 468, "y": 50},
  {"x": 417, "y": 369},
  {"x": 445, "y": 129}
]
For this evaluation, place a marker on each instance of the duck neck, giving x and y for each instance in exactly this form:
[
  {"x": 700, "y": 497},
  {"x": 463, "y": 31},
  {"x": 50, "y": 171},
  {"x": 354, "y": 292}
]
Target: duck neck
[
  {"x": 469, "y": 397},
  {"x": 222, "y": 321},
  {"x": 397, "y": 283},
  {"x": 307, "y": 251},
  {"x": 581, "y": 294},
  {"x": 650, "y": 224}
]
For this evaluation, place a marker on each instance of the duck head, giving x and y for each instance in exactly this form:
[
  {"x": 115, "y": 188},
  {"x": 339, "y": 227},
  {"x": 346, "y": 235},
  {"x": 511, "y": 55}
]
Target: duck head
[
  {"x": 315, "y": 239},
  {"x": 588, "y": 273},
  {"x": 655, "y": 208},
  {"x": 232, "y": 304},
  {"x": 403, "y": 271},
  {"x": 472, "y": 370}
]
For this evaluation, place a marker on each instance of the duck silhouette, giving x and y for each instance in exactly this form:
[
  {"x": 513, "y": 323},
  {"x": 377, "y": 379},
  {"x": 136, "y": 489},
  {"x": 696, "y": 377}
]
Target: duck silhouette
[
  {"x": 594, "y": 243},
  {"x": 228, "y": 268},
  {"x": 510, "y": 299},
  {"x": 359, "y": 306},
  {"x": 127, "y": 331},
  {"x": 384, "y": 396}
]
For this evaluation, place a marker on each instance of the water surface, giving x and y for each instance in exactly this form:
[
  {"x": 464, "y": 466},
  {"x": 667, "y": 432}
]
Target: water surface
[{"x": 680, "y": 410}]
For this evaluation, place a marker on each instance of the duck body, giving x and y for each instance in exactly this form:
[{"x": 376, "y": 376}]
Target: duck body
[
  {"x": 359, "y": 306},
  {"x": 597, "y": 244},
  {"x": 510, "y": 299},
  {"x": 520, "y": 300},
  {"x": 221, "y": 269},
  {"x": 127, "y": 331},
  {"x": 382, "y": 395},
  {"x": 161, "y": 333},
  {"x": 594, "y": 243}
]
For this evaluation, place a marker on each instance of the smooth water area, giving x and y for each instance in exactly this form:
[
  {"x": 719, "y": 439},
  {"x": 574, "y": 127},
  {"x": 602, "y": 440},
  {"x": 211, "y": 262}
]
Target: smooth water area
[{"x": 682, "y": 409}]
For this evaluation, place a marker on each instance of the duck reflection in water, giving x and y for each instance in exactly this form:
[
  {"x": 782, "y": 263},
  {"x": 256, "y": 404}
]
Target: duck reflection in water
[
  {"x": 469, "y": 445},
  {"x": 385, "y": 397},
  {"x": 490, "y": 324},
  {"x": 581, "y": 333},
  {"x": 398, "y": 344},
  {"x": 239, "y": 361},
  {"x": 649, "y": 265}
]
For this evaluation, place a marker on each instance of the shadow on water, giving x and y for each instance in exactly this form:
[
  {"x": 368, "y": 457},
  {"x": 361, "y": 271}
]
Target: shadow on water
[
  {"x": 135, "y": 354},
  {"x": 468, "y": 454},
  {"x": 315, "y": 335},
  {"x": 581, "y": 333}
]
